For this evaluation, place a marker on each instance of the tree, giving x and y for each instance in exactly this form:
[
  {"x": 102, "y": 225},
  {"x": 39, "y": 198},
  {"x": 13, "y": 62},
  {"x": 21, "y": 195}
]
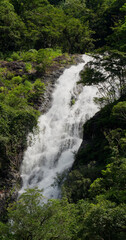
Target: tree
[
  {"x": 76, "y": 36},
  {"x": 119, "y": 110},
  {"x": 104, "y": 220},
  {"x": 74, "y": 8},
  {"x": 22, "y": 6},
  {"x": 111, "y": 184},
  {"x": 55, "y": 2},
  {"x": 32, "y": 218},
  {"x": 45, "y": 26},
  {"x": 102, "y": 16},
  {"x": 12, "y": 29},
  {"x": 108, "y": 72},
  {"x": 117, "y": 39}
]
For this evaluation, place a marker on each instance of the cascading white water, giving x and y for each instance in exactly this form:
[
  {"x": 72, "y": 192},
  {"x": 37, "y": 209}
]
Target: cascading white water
[{"x": 60, "y": 132}]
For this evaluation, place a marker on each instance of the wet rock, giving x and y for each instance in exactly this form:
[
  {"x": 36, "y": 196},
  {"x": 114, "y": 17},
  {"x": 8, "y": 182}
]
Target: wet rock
[
  {"x": 50, "y": 79},
  {"x": 10, "y": 186}
]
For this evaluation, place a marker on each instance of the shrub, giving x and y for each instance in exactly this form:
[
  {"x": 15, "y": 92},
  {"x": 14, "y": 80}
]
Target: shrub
[
  {"x": 16, "y": 80},
  {"x": 15, "y": 56},
  {"x": 28, "y": 67},
  {"x": 29, "y": 55}
]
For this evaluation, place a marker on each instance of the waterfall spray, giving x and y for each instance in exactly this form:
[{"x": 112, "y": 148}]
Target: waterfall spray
[{"x": 60, "y": 132}]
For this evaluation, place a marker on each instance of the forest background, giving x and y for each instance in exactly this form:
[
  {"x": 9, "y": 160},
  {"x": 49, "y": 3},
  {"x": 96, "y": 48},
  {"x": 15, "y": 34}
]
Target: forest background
[{"x": 33, "y": 34}]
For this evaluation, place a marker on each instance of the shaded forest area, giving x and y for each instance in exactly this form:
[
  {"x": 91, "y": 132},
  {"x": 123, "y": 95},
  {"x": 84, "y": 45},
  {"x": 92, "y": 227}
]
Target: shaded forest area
[
  {"x": 74, "y": 26},
  {"x": 33, "y": 34}
]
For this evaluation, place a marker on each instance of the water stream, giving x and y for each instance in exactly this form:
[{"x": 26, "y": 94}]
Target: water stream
[{"x": 60, "y": 132}]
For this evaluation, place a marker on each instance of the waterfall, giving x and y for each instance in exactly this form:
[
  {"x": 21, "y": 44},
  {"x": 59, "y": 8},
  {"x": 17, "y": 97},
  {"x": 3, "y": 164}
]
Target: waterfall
[{"x": 51, "y": 151}]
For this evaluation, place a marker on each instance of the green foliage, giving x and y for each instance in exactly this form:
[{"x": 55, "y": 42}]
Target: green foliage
[
  {"x": 119, "y": 110},
  {"x": 15, "y": 56},
  {"x": 17, "y": 116},
  {"x": 36, "y": 92},
  {"x": 44, "y": 24},
  {"x": 16, "y": 80},
  {"x": 47, "y": 55},
  {"x": 91, "y": 76},
  {"x": 30, "y": 55},
  {"x": 11, "y": 27},
  {"x": 77, "y": 184},
  {"x": 55, "y": 2},
  {"x": 103, "y": 149},
  {"x": 77, "y": 37},
  {"x": 103, "y": 16},
  {"x": 102, "y": 181},
  {"x": 4, "y": 232},
  {"x": 40, "y": 59},
  {"x": 98, "y": 173},
  {"x": 113, "y": 178},
  {"x": 74, "y": 8},
  {"x": 28, "y": 67},
  {"x": 117, "y": 38},
  {"x": 103, "y": 220},
  {"x": 108, "y": 72},
  {"x": 58, "y": 219},
  {"x": 32, "y": 218},
  {"x": 17, "y": 119},
  {"x": 21, "y": 5},
  {"x": 19, "y": 97}
]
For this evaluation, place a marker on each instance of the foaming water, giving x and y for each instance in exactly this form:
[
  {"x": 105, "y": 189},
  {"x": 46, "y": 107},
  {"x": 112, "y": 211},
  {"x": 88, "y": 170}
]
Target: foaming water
[{"x": 60, "y": 132}]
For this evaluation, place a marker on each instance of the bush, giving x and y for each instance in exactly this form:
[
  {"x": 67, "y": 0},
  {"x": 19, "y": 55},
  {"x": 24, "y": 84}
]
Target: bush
[
  {"x": 16, "y": 80},
  {"x": 15, "y": 56},
  {"x": 29, "y": 55},
  {"x": 37, "y": 91},
  {"x": 28, "y": 67}
]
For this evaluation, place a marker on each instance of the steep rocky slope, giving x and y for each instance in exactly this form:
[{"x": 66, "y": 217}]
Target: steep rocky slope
[
  {"x": 10, "y": 180},
  {"x": 95, "y": 152}
]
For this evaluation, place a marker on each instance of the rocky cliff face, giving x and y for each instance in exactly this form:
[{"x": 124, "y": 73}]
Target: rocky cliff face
[
  {"x": 91, "y": 157},
  {"x": 50, "y": 77},
  {"x": 10, "y": 181}
]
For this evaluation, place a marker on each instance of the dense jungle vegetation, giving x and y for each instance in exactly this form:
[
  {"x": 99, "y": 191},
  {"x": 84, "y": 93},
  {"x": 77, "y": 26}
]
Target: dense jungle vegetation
[{"x": 33, "y": 33}]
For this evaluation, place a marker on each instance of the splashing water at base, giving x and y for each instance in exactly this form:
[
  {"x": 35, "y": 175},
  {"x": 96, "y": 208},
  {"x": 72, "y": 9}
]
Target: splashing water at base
[{"x": 60, "y": 132}]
